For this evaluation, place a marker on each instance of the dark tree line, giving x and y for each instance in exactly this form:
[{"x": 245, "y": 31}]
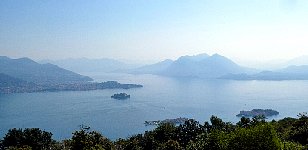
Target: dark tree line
[{"x": 249, "y": 133}]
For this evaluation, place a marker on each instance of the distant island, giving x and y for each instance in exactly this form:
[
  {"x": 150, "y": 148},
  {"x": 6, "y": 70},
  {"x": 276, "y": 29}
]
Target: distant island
[
  {"x": 120, "y": 96},
  {"x": 172, "y": 121},
  {"x": 84, "y": 86},
  {"x": 258, "y": 112}
]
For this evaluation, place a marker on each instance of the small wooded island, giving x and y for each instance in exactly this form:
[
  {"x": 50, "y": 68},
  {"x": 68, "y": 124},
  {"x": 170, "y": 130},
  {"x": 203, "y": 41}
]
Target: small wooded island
[
  {"x": 258, "y": 112},
  {"x": 120, "y": 96},
  {"x": 172, "y": 121}
]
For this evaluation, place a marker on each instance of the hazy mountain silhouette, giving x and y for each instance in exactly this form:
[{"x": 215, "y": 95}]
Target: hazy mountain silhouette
[
  {"x": 288, "y": 73},
  {"x": 152, "y": 69},
  {"x": 28, "y": 70},
  {"x": 195, "y": 57},
  {"x": 203, "y": 66},
  {"x": 208, "y": 67},
  {"x": 82, "y": 65}
]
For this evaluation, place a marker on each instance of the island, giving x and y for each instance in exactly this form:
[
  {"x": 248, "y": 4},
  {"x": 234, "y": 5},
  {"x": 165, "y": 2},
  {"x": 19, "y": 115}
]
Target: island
[
  {"x": 120, "y": 96},
  {"x": 172, "y": 121},
  {"x": 27, "y": 87},
  {"x": 258, "y": 112}
]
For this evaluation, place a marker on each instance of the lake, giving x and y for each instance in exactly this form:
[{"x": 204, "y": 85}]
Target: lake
[{"x": 161, "y": 97}]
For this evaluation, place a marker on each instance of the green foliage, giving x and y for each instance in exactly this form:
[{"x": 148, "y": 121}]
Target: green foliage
[
  {"x": 218, "y": 124},
  {"x": 255, "y": 133},
  {"x": 150, "y": 140},
  {"x": 284, "y": 127},
  {"x": 259, "y": 137},
  {"x": 216, "y": 140},
  {"x": 244, "y": 122},
  {"x": 188, "y": 131},
  {"x": 84, "y": 140},
  {"x": 164, "y": 132},
  {"x": 170, "y": 145},
  {"x": 30, "y": 137},
  {"x": 292, "y": 146},
  {"x": 299, "y": 130},
  {"x": 135, "y": 142},
  {"x": 256, "y": 120}
]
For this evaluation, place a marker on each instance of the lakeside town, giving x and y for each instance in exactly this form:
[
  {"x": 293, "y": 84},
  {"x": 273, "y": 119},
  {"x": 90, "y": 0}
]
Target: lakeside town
[{"x": 83, "y": 86}]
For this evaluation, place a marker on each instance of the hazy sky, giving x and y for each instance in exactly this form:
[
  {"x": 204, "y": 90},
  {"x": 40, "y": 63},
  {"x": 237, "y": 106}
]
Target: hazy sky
[{"x": 256, "y": 30}]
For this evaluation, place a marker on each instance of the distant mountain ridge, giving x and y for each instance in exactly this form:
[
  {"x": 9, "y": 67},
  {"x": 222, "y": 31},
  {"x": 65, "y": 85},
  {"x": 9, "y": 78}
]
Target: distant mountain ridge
[
  {"x": 288, "y": 73},
  {"x": 201, "y": 66},
  {"x": 151, "y": 69},
  {"x": 197, "y": 66},
  {"x": 28, "y": 70},
  {"x": 82, "y": 65},
  {"x": 220, "y": 67},
  {"x": 209, "y": 67}
]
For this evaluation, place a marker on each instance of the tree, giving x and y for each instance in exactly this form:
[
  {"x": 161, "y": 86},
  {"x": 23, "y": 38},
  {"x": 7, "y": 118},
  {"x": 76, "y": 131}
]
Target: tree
[
  {"x": 188, "y": 131},
  {"x": 244, "y": 122},
  {"x": 170, "y": 145},
  {"x": 134, "y": 142},
  {"x": 284, "y": 127},
  {"x": 218, "y": 124},
  {"x": 83, "y": 140},
  {"x": 256, "y": 120},
  {"x": 216, "y": 140},
  {"x": 31, "y": 137},
  {"x": 164, "y": 132},
  {"x": 292, "y": 146},
  {"x": 299, "y": 130},
  {"x": 259, "y": 137}
]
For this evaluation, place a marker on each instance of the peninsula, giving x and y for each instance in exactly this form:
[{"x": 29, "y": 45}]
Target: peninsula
[{"x": 82, "y": 86}]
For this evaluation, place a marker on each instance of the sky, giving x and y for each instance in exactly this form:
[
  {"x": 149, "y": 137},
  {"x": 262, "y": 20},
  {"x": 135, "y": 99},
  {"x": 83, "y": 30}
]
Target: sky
[{"x": 245, "y": 30}]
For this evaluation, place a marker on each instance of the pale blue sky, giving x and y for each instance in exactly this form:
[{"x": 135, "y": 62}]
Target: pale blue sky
[{"x": 257, "y": 30}]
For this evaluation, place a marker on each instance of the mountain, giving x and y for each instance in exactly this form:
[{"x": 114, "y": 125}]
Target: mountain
[
  {"x": 303, "y": 69},
  {"x": 8, "y": 81},
  {"x": 288, "y": 73},
  {"x": 202, "y": 66},
  {"x": 209, "y": 67},
  {"x": 30, "y": 71},
  {"x": 83, "y": 65},
  {"x": 195, "y": 57},
  {"x": 152, "y": 69},
  {"x": 160, "y": 67}
]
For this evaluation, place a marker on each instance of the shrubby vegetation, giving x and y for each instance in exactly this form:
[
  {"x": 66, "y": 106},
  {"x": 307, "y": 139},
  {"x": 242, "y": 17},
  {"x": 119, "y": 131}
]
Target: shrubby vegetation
[{"x": 254, "y": 133}]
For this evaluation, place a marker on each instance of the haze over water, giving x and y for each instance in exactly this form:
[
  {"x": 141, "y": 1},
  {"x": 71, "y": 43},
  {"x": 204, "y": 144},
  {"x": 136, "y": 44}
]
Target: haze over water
[{"x": 161, "y": 97}]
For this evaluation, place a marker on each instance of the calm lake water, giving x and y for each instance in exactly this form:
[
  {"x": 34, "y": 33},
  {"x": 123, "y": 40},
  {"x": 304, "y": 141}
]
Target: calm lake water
[{"x": 62, "y": 112}]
